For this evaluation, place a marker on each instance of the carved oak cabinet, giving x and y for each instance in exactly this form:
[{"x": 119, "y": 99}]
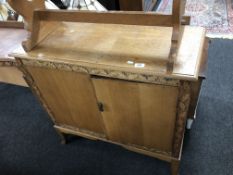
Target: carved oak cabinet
[
  {"x": 115, "y": 86},
  {"x": 118, "y": 77},
  {"x": 115, "y": 76}
]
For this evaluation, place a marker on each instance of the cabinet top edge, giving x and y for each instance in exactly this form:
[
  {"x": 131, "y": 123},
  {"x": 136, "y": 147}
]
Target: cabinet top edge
[{"x": 140, "y": 49}]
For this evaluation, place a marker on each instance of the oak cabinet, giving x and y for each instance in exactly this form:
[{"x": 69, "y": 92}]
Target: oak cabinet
[
  {"x": 119, "y": 91},
  {"x": 127, "y": 78}
]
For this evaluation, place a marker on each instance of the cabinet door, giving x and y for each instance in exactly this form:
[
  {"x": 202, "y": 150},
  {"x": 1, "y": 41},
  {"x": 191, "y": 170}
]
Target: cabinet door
[
  {"x": 70, "y": 96},
  {"x": 138, "y": 113}
]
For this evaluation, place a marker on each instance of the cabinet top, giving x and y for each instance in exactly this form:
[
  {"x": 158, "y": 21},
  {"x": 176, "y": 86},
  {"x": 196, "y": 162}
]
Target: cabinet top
[{"x": 131, "y": 48}]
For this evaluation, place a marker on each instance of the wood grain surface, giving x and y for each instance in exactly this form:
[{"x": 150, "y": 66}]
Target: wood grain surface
[
  {"x": 70, "y": 96},
  {"x": 137, "y": 113}
]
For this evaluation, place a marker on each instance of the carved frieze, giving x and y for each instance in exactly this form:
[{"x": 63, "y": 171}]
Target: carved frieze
[
  {"x": 118, "y": 74},
  {"x": 182, "y": 110}
]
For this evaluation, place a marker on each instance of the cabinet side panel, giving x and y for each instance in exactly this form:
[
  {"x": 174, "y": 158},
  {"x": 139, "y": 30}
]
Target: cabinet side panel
[
  {"x": 70, "y": 96},
  {"x": 158, "y": 115},
  {"x": 137, "y": 113}
]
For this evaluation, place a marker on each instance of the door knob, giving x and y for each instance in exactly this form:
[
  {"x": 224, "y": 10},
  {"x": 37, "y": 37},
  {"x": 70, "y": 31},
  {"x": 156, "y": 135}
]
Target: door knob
[{"x": 101, "y": 107}]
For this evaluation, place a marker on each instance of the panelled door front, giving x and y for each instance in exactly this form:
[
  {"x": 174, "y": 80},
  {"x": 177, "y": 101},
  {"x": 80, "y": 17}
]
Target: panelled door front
[
  {"x": 138, "y": 113},
  {"x": 70, "y": 96}
]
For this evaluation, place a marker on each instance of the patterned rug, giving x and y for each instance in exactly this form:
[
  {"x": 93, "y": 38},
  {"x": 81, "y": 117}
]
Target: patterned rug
[{"x": 215, "y": 15}]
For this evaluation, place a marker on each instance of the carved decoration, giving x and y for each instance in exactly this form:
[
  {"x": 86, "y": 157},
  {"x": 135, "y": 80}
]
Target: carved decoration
[
  {"x": 150, "y": 149},
  {"x": 182, "y": 110},
  {"x": 118, "y": 74}
]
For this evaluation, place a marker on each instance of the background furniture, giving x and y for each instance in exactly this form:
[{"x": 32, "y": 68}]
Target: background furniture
[
  {"x": 110, "y": 5},
  {"x": 8, "y": 18},
  {"x": 129, "y": 5},
  {"x": 137, "y": 5},
  {"x": 12, "y": 34}
]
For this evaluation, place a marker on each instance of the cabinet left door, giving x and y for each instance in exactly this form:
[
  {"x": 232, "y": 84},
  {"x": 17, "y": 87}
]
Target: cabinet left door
[{"x": 70, "y": 96}]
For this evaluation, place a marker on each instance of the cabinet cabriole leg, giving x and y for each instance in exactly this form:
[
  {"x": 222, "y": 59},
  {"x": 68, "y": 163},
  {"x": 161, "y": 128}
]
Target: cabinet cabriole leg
[{"x": 175, "y": 166}]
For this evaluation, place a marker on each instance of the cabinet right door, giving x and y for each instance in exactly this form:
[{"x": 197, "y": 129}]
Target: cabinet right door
[{"x": 138, "y": 113}]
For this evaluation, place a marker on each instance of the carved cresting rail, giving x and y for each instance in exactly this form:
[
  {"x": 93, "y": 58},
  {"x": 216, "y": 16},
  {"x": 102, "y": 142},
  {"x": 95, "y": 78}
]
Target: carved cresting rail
[{"x": 40, "y": 22}]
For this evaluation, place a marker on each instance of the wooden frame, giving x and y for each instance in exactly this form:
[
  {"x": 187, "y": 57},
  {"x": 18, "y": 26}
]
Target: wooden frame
[{"x": 38, "y": 21}]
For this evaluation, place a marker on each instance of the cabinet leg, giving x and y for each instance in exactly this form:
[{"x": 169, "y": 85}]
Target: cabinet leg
[
  {"x": 62, "y": 136},
  {"x": 190, "y": 121},
  {"x": 175, "y": 166},
  {"x": 189, "y": 124}
]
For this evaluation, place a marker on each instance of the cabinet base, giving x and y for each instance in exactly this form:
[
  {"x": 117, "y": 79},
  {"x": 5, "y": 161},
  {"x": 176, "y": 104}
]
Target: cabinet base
[{"x": 175, "y": 163}]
